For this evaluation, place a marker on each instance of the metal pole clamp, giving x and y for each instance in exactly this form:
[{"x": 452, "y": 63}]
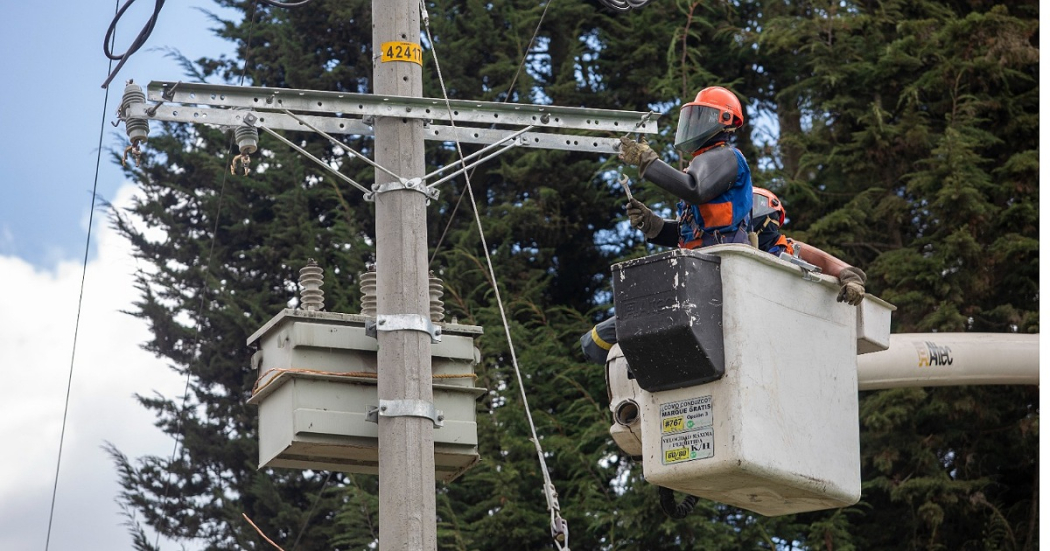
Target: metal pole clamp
[
  {"x": 406, "y": 408},
  {"x": 403, "y": 322}
]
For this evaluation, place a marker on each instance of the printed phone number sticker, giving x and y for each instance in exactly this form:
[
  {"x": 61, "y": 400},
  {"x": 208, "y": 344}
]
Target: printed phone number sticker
[
  {"x": 688, "y": 446},
  {"x": 686, "y": 415},
  {"x": 401, "y": 51}
]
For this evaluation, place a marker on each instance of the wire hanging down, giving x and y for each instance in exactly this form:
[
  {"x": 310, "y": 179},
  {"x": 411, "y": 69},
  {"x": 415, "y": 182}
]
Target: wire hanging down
[
  {"x": 135, "y": 45},
  {"x": 558, "y": 526},
  {"x": 147, "y": 30}
]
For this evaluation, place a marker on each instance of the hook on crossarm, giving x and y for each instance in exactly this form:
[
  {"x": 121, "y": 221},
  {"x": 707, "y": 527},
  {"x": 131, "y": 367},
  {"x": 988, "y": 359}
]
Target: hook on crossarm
[
  {"x": 135, "y": 151},
  {"x": 245, "y": 161}
]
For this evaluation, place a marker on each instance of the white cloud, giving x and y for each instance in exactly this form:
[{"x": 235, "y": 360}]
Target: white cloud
[{"x": 36, "y": 343}]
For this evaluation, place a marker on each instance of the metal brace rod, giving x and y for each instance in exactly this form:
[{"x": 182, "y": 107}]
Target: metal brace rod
[
  {"x": 463, "y": 111},
  {"x": 323, "y": 164},
  {"x": 342, "y": 125},
  {"x": 472, "y": 165},
  {"x": 406, "y": 408},
  {"x": 346, "y": 148},
  {"x": 481, "y": 151}
]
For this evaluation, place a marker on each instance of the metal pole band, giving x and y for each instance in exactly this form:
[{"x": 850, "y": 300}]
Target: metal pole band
[
  {"x": 406, "y": 408},
  {"x": 413, "y": 184},
  {"x": 403, "y": 322}
]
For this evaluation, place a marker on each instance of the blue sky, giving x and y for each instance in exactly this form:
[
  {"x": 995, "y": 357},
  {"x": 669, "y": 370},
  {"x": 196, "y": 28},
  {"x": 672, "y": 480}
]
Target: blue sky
[{"x": 51, "y": 107}]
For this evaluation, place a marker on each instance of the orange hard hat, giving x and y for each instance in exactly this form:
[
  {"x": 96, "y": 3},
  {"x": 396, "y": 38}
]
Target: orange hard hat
[
  {"x": 723, "y": 100},
  {"x": 764, "y": 203},
  {"x": 714, "y": 111}
]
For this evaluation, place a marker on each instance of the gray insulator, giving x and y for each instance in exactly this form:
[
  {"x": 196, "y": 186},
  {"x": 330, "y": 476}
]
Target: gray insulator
[
  {"x": 247, "y": 139},
  {"x": 311, "y": 278},
  {"x": 368, "y": 294},
  {"x": 437, "y": 306},
  {"x": 137, "y": 129},
  {"x": 436, "y": 290}
]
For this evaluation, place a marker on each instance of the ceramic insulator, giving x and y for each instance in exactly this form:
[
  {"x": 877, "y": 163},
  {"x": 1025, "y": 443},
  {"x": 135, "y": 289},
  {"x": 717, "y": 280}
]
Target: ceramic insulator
[
  {"x": 311, "y": 278},
  {"x": 437, "y": 306},
  {"x": 368, "y": 293},
  {"x": 247, "y": 139},
  {"x": 137, "y": 129}
]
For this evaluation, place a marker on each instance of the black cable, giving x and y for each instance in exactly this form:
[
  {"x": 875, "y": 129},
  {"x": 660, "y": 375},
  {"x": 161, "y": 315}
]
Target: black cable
[
  {"x": 139, "y": 40},
  {"x": 672, "y": 509},
  {"x": 207, "y": 267},
  {"x": 310, "y": 515},
  {"x": 506, "y": 99},
  {"x": 76, "y": 326}
]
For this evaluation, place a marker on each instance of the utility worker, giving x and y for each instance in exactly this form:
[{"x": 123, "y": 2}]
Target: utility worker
[
  {"x": 714, "y": 192},
  {"x": 768, "y": 216}
]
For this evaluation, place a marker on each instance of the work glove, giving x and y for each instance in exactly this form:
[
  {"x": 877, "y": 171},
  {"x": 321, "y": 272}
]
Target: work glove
[
  {"x": 644, "y": 219},
  {"x": 852, "y": 281},
  {"x": 636, "y": 153}
]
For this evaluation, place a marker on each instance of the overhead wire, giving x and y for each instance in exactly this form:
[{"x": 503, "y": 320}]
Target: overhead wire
[
  {"x": 140, "y": 39},
  {"x": 559, "y": 528},
  {"x": 506, "y": 99},
  {"x": 207, "y": 266},
  {"x": 80, "y": 303}
]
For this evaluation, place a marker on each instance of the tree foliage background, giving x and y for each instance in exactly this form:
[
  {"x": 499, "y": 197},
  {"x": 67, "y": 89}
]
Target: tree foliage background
[{"x": 902, "y": 136}]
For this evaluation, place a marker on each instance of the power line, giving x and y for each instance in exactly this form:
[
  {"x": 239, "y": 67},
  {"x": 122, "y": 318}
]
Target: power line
[
  {"x": 559, "y": 528},
  {"x": 110, "y": 40},
  {"x": 207, "y": 266},
  {"x": 80, "y": 303},
  {"x": 506, "y": 99}
]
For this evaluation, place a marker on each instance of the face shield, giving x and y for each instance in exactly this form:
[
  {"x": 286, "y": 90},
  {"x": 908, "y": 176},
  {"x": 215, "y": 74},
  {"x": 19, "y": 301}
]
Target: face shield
[
  {"x": 696, "y": 125},
  {"x": 761, "y": 207}
]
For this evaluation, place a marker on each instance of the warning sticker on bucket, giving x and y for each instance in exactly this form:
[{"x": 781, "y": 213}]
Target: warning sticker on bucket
[
  {"x": 686, "y": 415},
  {"x": 687, "y": 446},
  {"x": 686, "y": 428}
]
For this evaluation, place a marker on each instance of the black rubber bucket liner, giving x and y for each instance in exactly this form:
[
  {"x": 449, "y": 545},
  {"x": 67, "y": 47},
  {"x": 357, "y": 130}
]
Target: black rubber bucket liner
[{"x": 669, "y": 318}]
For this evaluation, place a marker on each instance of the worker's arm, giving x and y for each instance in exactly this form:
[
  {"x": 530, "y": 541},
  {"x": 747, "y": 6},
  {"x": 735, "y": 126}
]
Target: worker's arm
[
  {"x": 851, "y": 278},
  {"x": 657, "y": 230},
  {"x": 827, "y": 263},
  {"x": 708, "y": 176}
]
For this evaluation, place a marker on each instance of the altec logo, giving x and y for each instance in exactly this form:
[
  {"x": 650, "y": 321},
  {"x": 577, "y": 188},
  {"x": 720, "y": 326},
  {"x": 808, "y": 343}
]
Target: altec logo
[{"x": 930, "y": 354}]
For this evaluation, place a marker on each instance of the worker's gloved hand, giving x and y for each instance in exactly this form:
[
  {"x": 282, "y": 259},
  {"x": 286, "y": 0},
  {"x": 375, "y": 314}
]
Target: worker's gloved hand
[
  {"x": 635, "y": 153},
  {"x": 852, "y": 281},
  {"x": 644, "y": 219}
]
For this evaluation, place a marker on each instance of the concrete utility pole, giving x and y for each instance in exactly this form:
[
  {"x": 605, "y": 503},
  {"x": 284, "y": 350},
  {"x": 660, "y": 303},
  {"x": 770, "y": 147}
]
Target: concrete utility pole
[
  {"x": 407, "y": 509},
  {"x": 403, "y": 119}
]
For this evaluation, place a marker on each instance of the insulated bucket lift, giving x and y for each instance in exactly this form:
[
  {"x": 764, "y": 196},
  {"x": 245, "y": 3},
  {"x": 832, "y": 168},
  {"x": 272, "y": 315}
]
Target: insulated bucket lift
[{"x": 735, "y": 378}]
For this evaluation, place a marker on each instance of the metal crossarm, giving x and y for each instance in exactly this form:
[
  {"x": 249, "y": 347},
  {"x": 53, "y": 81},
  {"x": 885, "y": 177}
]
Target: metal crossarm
[
  {"x": 464, "y": 111},
  {"x": 350, "y": 113}
]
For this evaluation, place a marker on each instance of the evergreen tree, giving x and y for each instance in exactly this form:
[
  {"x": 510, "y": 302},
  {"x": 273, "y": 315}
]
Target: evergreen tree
[{"x": 899, "y": 150}]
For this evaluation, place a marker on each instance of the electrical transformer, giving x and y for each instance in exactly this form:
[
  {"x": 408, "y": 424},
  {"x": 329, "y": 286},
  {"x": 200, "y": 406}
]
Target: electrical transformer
[{"x": 317, "y": 395}]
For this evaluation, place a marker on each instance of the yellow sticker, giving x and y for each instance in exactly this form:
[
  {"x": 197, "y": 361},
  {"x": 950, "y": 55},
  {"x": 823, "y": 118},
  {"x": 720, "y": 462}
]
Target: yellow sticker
[
  {"x": 674, "y": 424},
  {"x": 677, "y": 454},
  {"x": 402, "y": 51}
]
